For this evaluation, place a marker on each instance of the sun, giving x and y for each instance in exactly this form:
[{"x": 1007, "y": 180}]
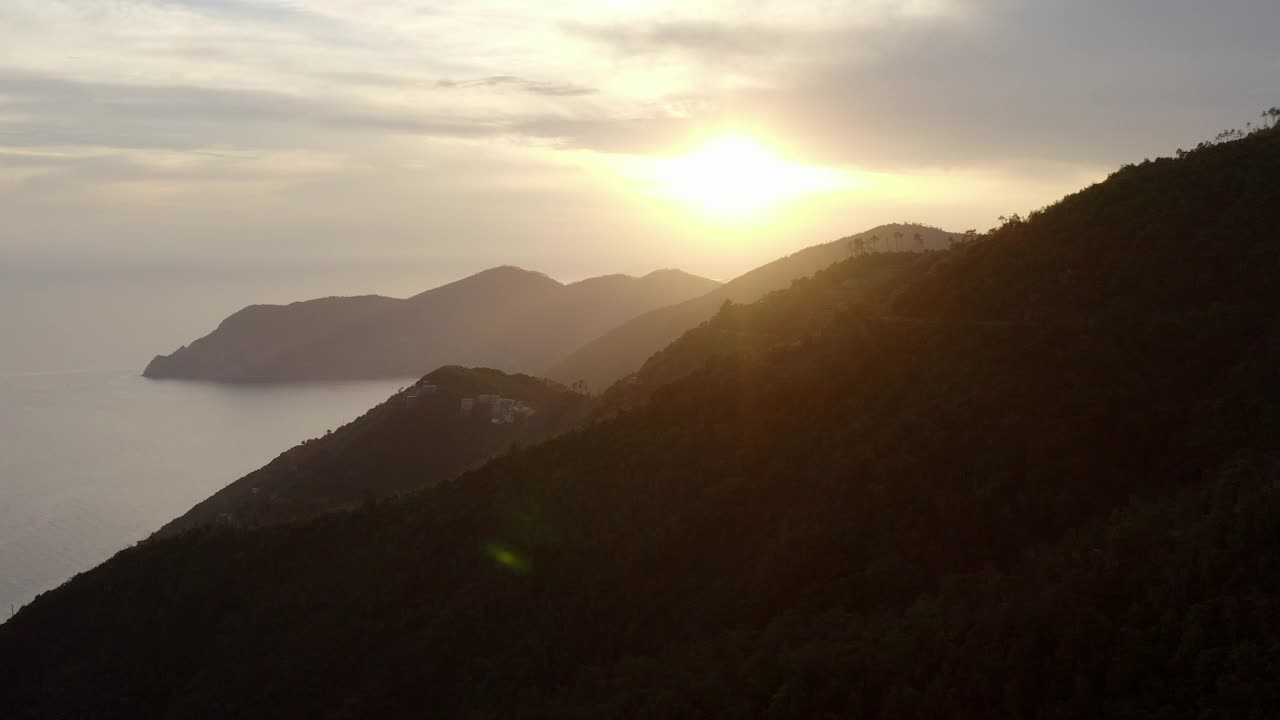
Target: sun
[{"x": 736, "y": 176}]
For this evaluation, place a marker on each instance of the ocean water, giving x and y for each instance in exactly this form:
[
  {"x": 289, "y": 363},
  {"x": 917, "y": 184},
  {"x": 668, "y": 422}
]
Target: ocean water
[{"x": 91, "y": 462}]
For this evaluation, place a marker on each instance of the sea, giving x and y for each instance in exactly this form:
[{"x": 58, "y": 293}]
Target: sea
[
  {"x": 93, "y": 457},
  {"x": 94, "y": 461}
]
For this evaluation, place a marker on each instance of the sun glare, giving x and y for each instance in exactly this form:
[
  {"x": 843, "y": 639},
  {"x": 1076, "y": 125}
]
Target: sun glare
[{"x": 735, "y": 176}]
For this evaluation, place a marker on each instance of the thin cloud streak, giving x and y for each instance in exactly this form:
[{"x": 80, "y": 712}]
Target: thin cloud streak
[{"x": 520, "y": 84}]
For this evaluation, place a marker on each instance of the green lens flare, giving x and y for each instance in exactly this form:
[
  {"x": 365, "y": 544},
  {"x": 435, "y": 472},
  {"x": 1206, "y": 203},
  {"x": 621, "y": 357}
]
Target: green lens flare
[{"x": 508, "y": 558}]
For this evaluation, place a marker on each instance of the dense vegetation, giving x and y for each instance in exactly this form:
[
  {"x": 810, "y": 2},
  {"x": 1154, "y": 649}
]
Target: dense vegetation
[
  {"x": 617, "y": 353},
  {"x": 960, "y": 493},
  {"x": 779, "y": 318}
]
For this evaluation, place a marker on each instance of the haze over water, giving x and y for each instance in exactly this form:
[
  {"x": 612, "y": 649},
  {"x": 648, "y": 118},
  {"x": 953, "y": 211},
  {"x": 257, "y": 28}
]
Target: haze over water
[
  {"x": 91, "y": 462},
  {"x": 94, "y": 457}
]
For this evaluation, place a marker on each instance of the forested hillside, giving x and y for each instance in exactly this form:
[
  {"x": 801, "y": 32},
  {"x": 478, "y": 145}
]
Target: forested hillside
[
  {"x": 1035, "y": 476},
  {"x": 417, "y": 438},
  {"x": 617, "y": 353},
  {"x": 779, "y": 318}
]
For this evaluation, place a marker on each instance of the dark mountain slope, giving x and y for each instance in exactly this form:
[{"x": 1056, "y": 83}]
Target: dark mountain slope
[
  {"x": 741, "y": 495},
  {"x": 620, "y": 351},
  {"x": 417, "y": 438},
  {"x": 1196, "y": 234},
  {"x": 1164, "y": 607},
  {"x": 1166, "y": 610},
  {"x": 780, "y": 317},
  {"x": 924, "y": 515},
  {"x": 505, "y": 318}
]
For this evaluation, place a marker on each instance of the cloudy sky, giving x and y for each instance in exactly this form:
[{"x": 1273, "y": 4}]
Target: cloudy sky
[{"x": 460, "y": 135}]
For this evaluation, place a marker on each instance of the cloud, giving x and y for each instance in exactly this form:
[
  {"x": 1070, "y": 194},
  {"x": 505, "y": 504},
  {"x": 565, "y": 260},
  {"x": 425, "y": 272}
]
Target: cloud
[
  {"x": 991, "y": 83},
  {"x": 259, "y": 11},
  {"x": 177, "y": 116},
  {"x": 234, "y": 96},
  {"x": 520, "y": 84},
  {"x": 1088, "y": 82},
  {"x": 108, "y": 176},
  {"x": 886, "y": 84},
  {"x": 700, "y": 37},
  {"x": 44, "y": 110}
]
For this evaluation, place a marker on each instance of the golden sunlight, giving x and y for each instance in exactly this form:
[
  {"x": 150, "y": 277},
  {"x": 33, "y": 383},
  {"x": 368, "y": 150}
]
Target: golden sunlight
[{"x": 735, "y": 176}]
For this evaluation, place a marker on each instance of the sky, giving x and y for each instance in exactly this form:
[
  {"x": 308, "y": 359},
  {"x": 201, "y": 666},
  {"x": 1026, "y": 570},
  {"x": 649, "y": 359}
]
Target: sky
[{"x": 435, "y": 138}]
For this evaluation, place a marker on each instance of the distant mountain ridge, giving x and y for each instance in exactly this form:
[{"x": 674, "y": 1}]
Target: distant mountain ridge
[
  {"x": 623, "y": 349},
  {"x": 506, "y": 318},
  {"x": 411, "y": 442}
]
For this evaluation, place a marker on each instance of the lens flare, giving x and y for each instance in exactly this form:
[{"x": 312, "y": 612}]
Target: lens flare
[{"x": 508, "y": 558}]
